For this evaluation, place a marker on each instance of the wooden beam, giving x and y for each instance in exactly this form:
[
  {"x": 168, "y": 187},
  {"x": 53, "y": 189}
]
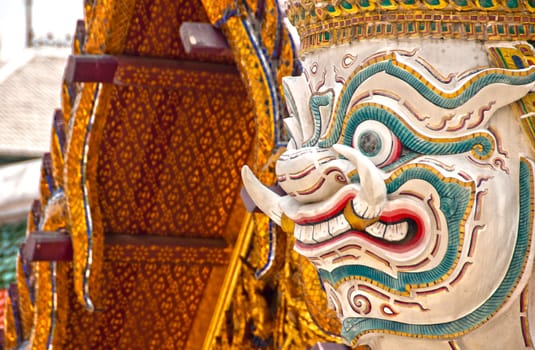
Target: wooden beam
[
  {"x": 204, "y": 39},
  {"x": 164, "y": 241},
  {"x": 57, "y": 246},
  {"x": 103, "y": 68},
  {"x": 90, "y": 68},
  {"x": 166, "y": 249},
  {"x": 47, "y": 246}
]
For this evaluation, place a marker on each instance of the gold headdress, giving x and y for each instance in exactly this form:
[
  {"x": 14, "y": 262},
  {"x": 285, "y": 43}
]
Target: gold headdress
[{"x": 323, "y": 23}]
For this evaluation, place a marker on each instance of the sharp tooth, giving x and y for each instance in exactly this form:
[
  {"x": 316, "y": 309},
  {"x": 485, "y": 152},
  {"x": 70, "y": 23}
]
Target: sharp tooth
[
  {"x": 321, "y": 231},
  {"x": 338, "y": 225},
  {"x": 307, "y": 233},
  {"x": 396, "y": 232},
  {"x": 377, "y": 229},
  {"x": 298, "y": 232},
  {"x": 361, "y": 209}
]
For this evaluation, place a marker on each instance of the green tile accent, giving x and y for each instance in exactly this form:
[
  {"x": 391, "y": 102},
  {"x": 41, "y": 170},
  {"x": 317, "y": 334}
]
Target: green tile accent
[
  {"x": 486, "y": 3},
  {"x": 346, "y": 5},
  {"x": 512, "y": 4},
  {"x": 11, "y": 236}
]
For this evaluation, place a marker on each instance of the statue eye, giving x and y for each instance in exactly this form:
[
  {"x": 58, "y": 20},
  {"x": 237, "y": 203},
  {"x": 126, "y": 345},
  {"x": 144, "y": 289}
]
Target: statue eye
[{"x": 377, "y": 142}]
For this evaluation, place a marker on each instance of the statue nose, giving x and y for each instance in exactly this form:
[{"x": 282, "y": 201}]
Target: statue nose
[
  {"x": 311, "y": 174},
  {"x": 371, "y": 197}
]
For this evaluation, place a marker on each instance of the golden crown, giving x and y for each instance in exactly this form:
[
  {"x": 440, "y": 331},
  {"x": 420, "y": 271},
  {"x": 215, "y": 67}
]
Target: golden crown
[{"x": 323, "y": 23}]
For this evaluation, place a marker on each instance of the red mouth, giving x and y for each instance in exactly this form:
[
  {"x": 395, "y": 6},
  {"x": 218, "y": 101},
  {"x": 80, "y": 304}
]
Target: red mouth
[{"x": 415, "y": 230}]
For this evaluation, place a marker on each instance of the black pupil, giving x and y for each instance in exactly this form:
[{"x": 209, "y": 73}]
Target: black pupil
[{"x": 369, "y": 143}]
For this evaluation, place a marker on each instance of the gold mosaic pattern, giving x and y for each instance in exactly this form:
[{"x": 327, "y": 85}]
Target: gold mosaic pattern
[
  {"x": 66, "y": 103},
  {"x": 300, "y": 318},
  {"x": 269, "y": 33},
  {"x": 32, "y": 220},
  {"x": 107, "y": 24},
  {"x": 26, "y": 307},
  {"x": 154, "y": 290},
  {"x": 51, "y": 283},
  {"x": 154, "y": 29},
  {"x": 216, "y": 9},
  {"x": 401, "y": 24},
  {"x": 44, "y": 190},
  {"x": 206, "y": 309},
  {"x": 323, "y": 24},
  {"x": 229, "y": 285},
  {"x": 160, "y": 299},
  {"x": 142, "y": 28},
  {"x": 258, "y": 91},
  {"x": 63, "y": 290},
  {"x": 43, "y": 307},
  {"x": 10, "y": 331},
  {"x": 170, "y": 158},
  {"x": 76, "y": 137},
  {"x": 97, "y": 238},
  {"x": 56, "y": 156},
  {"x": 313, "y": 11},
  {"x": 153, "y": 254}
]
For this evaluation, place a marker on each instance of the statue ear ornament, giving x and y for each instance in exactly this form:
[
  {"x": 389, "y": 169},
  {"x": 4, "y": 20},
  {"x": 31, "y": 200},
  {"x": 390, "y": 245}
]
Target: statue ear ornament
[{"x": 409, "y": 185}]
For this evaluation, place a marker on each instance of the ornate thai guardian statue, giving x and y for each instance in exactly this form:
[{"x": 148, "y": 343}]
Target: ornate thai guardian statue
[{"x": 409, "y": 176}]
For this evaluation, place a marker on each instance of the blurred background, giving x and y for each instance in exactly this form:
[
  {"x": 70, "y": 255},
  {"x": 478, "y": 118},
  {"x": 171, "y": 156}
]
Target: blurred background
[{"x": 35, "y": 41}]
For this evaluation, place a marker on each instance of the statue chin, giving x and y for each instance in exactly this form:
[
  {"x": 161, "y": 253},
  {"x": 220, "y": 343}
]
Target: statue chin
[{"x": 409, "y": 186}]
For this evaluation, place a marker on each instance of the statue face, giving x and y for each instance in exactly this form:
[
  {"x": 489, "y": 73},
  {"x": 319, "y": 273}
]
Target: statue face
[{"x": 408, "y": 185}]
